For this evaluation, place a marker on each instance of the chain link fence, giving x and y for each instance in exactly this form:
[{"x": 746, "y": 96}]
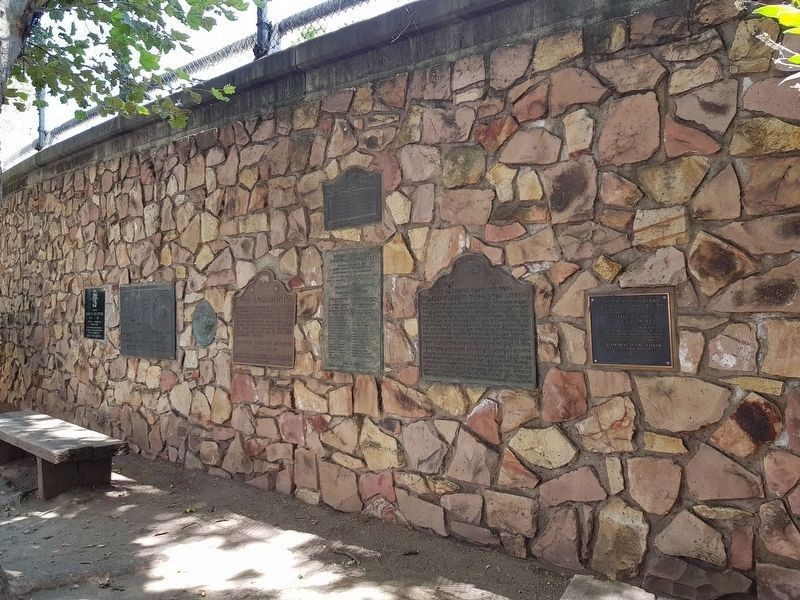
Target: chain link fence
[{"x": 269, "y": 36}]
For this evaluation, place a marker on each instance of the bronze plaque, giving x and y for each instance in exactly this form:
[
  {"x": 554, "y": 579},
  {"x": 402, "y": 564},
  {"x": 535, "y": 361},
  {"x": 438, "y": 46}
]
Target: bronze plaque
[
  {"x": 355, "y": 198},
  {"x": 353, "y": 340},
  {"x": 204, "y": 324},
  {"x": 147, "y": 320},
  {"x": 632, "y": 330},
  {"x": 94, "y": 313},
  {"x": 477, "y": 326},
  {"x": 264, "y": 316}
]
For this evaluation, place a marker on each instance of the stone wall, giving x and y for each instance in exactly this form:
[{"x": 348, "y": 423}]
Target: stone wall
[{"x": 647, "y": 152}]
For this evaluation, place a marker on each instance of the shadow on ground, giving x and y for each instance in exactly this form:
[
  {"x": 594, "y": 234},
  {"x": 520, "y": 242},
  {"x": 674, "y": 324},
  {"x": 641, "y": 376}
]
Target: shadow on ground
[{"x": 162, "y": 532}]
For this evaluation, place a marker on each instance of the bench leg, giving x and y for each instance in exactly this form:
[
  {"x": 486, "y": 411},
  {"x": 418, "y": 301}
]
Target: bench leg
[
  {"x": 54, "y": 479},
  {"x": 9, "y": 453},
  {"x": 95, "y": 472}
]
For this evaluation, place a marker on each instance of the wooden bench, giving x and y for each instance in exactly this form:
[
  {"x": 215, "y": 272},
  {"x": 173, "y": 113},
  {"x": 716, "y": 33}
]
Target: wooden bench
[{"x": 66, "y": 454}]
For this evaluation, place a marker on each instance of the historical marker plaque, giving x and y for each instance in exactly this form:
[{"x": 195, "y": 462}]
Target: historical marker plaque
[
  {"x": 94, "y": 313},
  {"x": 353, "y": 340},
  {"x": 632, "y": 330},
  {"x": 355, "y": 198},
  {"x": 264, "y": 316},
  {"x": 477, "y": 326},
  {"x": 204, "y": 324},
  {"x": 147, "y": 320}
]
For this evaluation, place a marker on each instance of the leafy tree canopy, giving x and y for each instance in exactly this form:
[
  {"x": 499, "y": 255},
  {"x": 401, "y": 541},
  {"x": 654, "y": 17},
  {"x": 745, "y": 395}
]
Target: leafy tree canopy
[{"x": 109, "y": 54}]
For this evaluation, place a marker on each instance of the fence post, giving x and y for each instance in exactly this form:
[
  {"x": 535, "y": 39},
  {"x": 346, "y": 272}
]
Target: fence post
[{"x": 263, "y": 32}]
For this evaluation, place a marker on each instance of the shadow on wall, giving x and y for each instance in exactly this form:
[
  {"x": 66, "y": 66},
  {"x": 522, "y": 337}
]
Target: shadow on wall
[{"x": 163, "y": 532}]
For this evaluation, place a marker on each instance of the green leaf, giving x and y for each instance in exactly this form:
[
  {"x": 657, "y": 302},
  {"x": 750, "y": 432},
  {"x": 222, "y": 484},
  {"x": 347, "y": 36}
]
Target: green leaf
[
  {"x": 80, "y": 115},
  {"x": 229, "y": 89},
  {"x": 795, "y": 60},
  {"x": 148, "y": 60},
  {"x": 775, "y": 11},
  {"x": 218, "y": 94}
]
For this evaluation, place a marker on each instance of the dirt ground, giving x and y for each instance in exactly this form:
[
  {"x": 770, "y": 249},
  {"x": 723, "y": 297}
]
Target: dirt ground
[{"x": 162, "y": 532}]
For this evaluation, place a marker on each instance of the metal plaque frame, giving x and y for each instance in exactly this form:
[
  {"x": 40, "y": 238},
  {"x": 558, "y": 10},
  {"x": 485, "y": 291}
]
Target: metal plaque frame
[
  {"x": 161, "y": 322},
  {"x": 101, "y": 291},
  {"x": 367, "y": 186}
]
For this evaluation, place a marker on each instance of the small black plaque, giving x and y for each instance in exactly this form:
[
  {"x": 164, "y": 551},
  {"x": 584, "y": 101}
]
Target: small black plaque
[
  {"x": 147, "y": 320},
  {"x": 477, "y": 326},
  {"x": 355, "y": 198},
  {"x": 632, "y": 330},
  {"x": 353, "y": 340},
  {"x": 94, "y": 313}
]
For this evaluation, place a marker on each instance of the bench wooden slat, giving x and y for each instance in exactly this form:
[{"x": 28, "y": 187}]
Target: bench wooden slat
[{"x": 54, "y": 440}]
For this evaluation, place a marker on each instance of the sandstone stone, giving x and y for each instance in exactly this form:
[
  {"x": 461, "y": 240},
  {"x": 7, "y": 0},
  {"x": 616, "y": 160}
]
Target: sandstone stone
[
  {"x": 484, "y": 420},
  {"x": 547, "y": 448},
  {"x": 517, "y": 408},
  {"x": 609, "y": 427},
  {"x": 632, "y": 74},
  {"x": 443, "y": 246},
  {"x": 776, "y": 290},
  {"x": 493, "y": 133},
  {"x": 468, "y": 71},
  {"x": 339, "y": 487},
  {"x": 501, "y": 178},
  {"x": 618, "y": 191},
  {"x": 558, "y": 542},
  {"x": 381, "y": 451},
  {"x": 419, "y": 163},
  {"x": 307, "y": 400},
  {"x": 710, "y": 475},
  {"x": 466, "y": 207},
  {"x": 554, "y": 50},
  {"x": 680, "y": 140},
  {"x": 374, "y": 484},
  {"x": 572, "y": 86},
  {"x": 449, "y": 398},
  {"x": 397, "y": 260},
  {"x": 580, "y": 485},
  {"x": 563, "y": 395},
  {"x": 674, "y": 577},
  {"x": 781, "y": 471},
  {"x": 713, "y": 12},
  {"x": 541, "y": 246},
  {"x": 663, "y": 444},
  {"x": 472, "y": 461},
  {"x": 571, "y": 189},
  {"x": 464, "y": 507},
  {"x": 621, "y": 540},
  {"x": 574, "y": 343},
  {"x": 535, "y": 146},
  {"x": 777, "y": 583},
  {"x": 463, "y": 165},
  {"x": 474, "y": 534},
  {"x": 771, "y": 185},
  {"x": 681, "y": 403},
  {"x": 689, "y": 78},
  {"x": 771, "y": 97},
  {"x": 514, "y": 474},
  {"x": 305, "y": 469},
  {"x": 578, "y": 132},
  {"x": 792, "y": 417},
  {"x": 764, "y": 135},
  {"x": 661, "y": 227},
  {"x": 423, "y": 447},
  {"x": 654, "y": 483},
  {"x": 529, "y": 187},
  {"x": 343, "y": 436},
  {"x": 420, "y": 513},
  {"x": 650, "y": 29},
  {"x": 572, "y": 302},
  {"x": 777, "y": 532},
  {"x": 734, "y": 349},
  {"x": 765, "y": 235},
  {"x": 759, "y": 385},
  {"x": 433, "y": 83},
  {"x": 666, "y": 267},
  {"x": 631, "y": 132},
  {"x": 497, "y": 234},
  {"x": 508, "y": 63},
  {"x": 747, "y": 53},
  {"x": 692, "y": 48},
  {"x": 674, "y": 182},
  {"x": 514, "y": 514},
  {"x": 720, "y": 198},
  {"x": 691, "y": 345},
  {"x": 448, "y": 126},
  {"x": 688, "y": 536},
  {"x": 712, "y": 106},
  {"x": 582, "y": 587},
  {"x": 532, "y": 105},
  {"x": 604, "y": 384},
  {"x": 365, "y": 396}
]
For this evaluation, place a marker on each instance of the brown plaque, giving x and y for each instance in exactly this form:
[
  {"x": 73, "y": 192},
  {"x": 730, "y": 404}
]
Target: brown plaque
[
  {"x": 632, "y": 329},
  {"x": 353, "y": 199},
  {"x": 477, "y": 326},
  {"x": 264, "y": 316}
]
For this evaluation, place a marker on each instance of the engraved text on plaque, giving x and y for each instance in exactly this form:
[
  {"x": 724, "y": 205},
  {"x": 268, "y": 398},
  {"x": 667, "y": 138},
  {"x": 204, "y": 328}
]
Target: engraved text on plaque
[
  {"x": 94, "y": 313},
  {"x": 355, "y": 198},
  {"x": 147, "y": 320},
  {"x": 354, "y": 311},
  {"x": 477, "y": 326},
  {"x": 632, "y": 330},
  {"x": 264, "y": 316}
]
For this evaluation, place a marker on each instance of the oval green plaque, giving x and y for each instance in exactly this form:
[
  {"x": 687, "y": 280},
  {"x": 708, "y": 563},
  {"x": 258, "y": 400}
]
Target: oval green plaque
[{"x": 204, "y": 324}]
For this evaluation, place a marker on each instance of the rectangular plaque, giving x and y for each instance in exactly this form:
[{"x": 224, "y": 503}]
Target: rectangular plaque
[
  {"x": 147, "y": 320},
  {"x": 355, "y": 198},
  {"x": 264, "y": 316},
  {"x": 477, "y": 326},
  {"x": 94, "y": 313},
  {"x": 633, "y": 330},
  {"x": 353, "y": 340}
]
